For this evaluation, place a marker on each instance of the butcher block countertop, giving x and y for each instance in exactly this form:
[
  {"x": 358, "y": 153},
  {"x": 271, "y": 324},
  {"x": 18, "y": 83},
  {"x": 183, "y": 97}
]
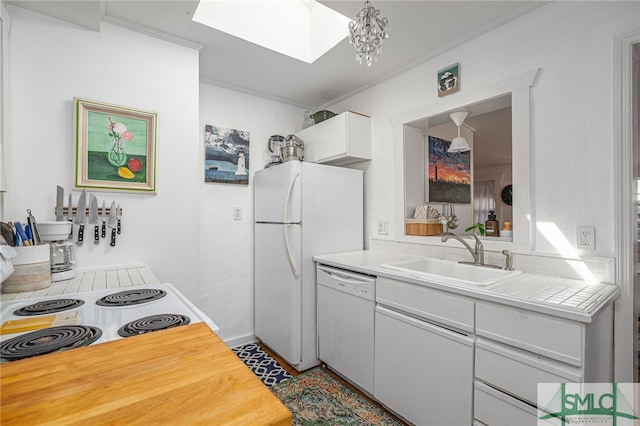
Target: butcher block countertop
[{"x": 180, "y": 376}]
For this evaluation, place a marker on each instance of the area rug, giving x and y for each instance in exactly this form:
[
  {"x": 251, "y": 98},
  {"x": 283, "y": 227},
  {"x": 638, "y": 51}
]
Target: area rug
[
  {"x": 316, "y": 398},
  {"x": 262, "y": 364}
]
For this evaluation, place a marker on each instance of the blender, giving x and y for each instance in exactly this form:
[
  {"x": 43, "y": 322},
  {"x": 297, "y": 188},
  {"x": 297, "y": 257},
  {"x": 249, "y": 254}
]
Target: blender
[
  {"x": 62, "y": 250},
  {"x": 275, "y": 143}
]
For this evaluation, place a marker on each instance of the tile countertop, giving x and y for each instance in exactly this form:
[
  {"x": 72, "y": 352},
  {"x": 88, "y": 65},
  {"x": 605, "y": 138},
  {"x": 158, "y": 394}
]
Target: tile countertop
[
  {"x": 89, "y": 280},
  {"x": 561, "y": 297}
]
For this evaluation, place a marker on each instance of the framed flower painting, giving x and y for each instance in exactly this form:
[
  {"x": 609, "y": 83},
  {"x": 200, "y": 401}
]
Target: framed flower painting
[{"x": 115, "y": 147}]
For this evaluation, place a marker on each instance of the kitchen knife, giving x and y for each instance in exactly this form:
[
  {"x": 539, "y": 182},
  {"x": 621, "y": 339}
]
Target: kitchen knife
[
  {"x": 70, "y": 214},
  {"x": 93, "y": 217},
  {"x": 112, "y": 223},
  {"x": 80, "y": 215},
  {"x": 118, "y": 215},
  {"x": 59, "y": 198},
  {"x": 103, "y": 217}
]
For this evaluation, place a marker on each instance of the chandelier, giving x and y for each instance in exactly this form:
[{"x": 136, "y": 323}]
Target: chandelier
[{"x": 368, "y": 33}]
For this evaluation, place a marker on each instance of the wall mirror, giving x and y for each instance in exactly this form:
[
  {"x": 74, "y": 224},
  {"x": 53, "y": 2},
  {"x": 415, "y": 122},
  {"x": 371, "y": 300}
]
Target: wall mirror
[{"x": 507, "y": 101}]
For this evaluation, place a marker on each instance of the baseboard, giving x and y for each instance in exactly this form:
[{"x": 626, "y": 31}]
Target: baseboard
[{"x": 240, "y": 340}]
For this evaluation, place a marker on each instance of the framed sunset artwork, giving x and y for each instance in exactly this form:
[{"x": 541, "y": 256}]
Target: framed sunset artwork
[{"x": 448, "y": 174}]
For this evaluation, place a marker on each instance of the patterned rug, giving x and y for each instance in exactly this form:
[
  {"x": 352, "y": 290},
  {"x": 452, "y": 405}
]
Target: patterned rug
[
  {"x": 316, "y": 398},
  {"x": 262, "y": 364}
]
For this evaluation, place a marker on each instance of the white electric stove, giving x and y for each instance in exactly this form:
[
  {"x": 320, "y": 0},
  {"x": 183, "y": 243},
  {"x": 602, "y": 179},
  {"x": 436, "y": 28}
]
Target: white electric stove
[{"x": 36, "y": 327}]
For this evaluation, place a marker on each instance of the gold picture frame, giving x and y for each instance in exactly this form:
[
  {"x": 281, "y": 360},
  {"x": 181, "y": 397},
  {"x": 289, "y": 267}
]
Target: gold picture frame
[{"x": 115, "y": 147}]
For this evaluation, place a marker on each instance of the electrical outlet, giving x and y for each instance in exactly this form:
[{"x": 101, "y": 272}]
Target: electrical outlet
[
  {"x": 586, "y": 237},
  {"x": 383, "y": 227},
  {"x": 237, "y": 213}
]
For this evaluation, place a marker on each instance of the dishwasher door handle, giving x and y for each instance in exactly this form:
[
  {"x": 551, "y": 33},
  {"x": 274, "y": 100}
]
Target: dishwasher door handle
[{"x": 344, "y": 278}]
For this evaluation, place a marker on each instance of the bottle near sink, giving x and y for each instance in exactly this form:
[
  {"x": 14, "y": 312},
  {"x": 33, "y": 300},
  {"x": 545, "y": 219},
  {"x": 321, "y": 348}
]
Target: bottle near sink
[{"x": 492, "y": 226}]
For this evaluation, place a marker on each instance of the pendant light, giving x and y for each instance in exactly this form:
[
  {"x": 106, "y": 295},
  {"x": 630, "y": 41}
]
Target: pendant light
[
  {"x": 459, "y": 143},
  {"x": 367, "y": 33}
]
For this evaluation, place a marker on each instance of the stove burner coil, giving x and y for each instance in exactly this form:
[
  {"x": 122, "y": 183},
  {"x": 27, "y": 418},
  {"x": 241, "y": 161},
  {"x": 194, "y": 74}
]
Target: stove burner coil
[
  {"x": 153, "y": 323},
  {"x": 131, "y": 297},
  {"x": 49, "y": 307},
  {"x": 48, "y": 340}
]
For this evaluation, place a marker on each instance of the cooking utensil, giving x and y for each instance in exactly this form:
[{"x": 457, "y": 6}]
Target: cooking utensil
[
  {"x": 70, "y": 214},
  {"x": 103, "y": 217},
  {"x": 93, "y": 217},
  {"x": 320, "y": 116},
  {"x": 113, "y": 223},
  {"x": 59, "y": 202},
  {"x": 21, "y": 233},
  {"x": 37, "y": 239},
  {"x": 119, "y": 216},
  {"x": 80, "y": 215},
  {"x": 8, "y": 234}
]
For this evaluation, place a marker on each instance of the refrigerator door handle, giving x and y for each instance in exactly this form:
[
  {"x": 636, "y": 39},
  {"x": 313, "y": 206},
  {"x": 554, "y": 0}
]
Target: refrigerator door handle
[
  {"x": 294, "y": 269},
  {"x": 285, "y": 215},
  {"x": 285, "y": 219}
]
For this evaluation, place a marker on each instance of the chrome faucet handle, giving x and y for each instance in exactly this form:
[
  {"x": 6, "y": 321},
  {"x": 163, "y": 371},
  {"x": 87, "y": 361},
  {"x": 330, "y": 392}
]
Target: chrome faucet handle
[{"x": 509, "y": 260}]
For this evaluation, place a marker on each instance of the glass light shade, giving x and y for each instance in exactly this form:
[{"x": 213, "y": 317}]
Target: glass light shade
[
  {"x": 459, "y": 144},
  {"x": 367, "y": 33}
]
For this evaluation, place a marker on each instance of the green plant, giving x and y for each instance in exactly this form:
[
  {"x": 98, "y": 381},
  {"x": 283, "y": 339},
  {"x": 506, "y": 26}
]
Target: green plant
[{"x": 476, "y": 227}]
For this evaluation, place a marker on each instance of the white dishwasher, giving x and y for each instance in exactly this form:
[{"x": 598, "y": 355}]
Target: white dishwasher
[{"x": 346, "y": 316}]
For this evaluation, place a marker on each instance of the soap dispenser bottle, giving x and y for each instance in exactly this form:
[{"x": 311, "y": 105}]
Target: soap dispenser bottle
[{"x": 491, "y": 226}]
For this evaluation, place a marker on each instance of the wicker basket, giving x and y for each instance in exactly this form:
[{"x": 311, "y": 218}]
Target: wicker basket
[{"x": 423, "y": 227}]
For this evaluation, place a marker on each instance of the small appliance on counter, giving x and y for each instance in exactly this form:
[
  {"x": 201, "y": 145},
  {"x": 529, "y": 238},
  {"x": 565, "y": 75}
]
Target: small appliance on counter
[
  {"x": 292, "y": 149},
  {"x": 275, "y": 143},
  {"x": 62, "y": 250}
]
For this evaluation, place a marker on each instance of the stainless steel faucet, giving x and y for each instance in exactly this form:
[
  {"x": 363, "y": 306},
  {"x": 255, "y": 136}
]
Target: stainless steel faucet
[
  {"x": 509, "y": 260},
  {"x": 477, "y": 252}
]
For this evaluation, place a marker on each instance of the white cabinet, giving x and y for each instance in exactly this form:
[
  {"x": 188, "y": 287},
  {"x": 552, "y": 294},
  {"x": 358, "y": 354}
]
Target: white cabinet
[
  {"x": 422, "y": 371},
  {"x": 423, "y": 353},
  {"x": 340, "y": 140},
  {"x": 517, "y": 349}
]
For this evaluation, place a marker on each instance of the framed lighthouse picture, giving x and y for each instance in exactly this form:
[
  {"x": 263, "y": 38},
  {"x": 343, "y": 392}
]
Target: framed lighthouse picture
[{"x": 226, "y": 158}]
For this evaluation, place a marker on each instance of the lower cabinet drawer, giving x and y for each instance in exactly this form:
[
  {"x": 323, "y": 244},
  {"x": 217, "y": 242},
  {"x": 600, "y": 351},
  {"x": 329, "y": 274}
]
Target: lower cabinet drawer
[
  {"x": 542, "y": 334},
  {"x": 519, "y": 372},
  {"x": 492, "y": 407}
]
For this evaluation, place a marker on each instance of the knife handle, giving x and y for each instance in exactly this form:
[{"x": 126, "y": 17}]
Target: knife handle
[
  {"x": 113, "y": 237},
  {"x": 80, "y": 235},
  {"x": 104, "y": 229},
  {"x": 96, "y": 234},
  {"x": 118, "y": 226}
]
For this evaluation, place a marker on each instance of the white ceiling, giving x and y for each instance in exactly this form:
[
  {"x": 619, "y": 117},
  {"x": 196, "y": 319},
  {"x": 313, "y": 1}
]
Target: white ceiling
[{"x": 420, "y": 30}]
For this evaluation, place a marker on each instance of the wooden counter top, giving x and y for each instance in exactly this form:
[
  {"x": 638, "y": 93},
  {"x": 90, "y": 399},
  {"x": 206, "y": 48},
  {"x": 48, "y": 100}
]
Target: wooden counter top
[{"x": 183, "y": 376}]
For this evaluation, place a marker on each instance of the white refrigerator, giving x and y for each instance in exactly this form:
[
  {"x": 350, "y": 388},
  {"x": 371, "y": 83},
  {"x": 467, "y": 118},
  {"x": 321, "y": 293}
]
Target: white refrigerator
[{"x": 301, "y": 210}]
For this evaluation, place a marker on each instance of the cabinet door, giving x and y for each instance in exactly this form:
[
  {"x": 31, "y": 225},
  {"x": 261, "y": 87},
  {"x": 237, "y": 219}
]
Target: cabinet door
[
  {"x": 423, "y": 372},
  {"x": 332, "y": 138}
]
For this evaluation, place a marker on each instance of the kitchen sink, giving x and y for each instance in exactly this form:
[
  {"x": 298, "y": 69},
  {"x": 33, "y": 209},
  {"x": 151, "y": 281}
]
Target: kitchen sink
[{"x": 452, "y": 272}]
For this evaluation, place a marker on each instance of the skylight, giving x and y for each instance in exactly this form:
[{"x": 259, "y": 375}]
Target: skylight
[{"x": 302, "y": 29}]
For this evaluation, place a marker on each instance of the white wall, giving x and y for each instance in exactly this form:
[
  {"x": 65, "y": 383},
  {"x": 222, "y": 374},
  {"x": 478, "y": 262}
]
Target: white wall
[
  {"x": 53, "y": 61},
  {"x": 226, "y": 245},
  {"x": 572, "y": 163}
]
